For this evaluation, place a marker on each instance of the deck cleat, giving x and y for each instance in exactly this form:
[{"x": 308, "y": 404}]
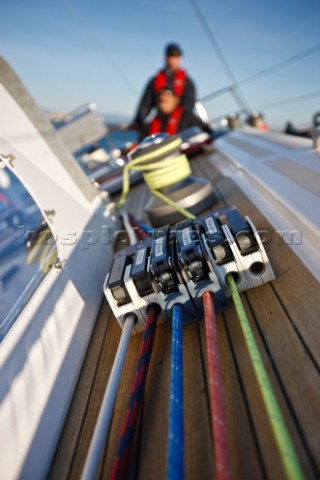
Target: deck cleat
[
  {"x": 196, "y": 267},
  {"x": 143, "y": 275},
  {"x": 166, "y": 276},
  {"x": 127, "y": 288},
  {"x": 247, "y": 260}
]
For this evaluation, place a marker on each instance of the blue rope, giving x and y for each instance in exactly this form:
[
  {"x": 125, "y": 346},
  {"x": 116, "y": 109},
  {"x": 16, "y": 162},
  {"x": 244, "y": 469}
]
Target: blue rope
[
  {"x": 146, "y": 228},
  {"x": 175, "y": 467}
]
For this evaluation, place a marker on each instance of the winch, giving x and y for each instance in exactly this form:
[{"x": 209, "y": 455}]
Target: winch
[{"x": 168, "y": 175}]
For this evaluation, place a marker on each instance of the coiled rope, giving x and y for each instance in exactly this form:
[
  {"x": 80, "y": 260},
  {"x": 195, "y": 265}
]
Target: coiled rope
[
  {"x": 159, "y": 174},
  {"x": 137, "y": 390},
  {"x": 221, "y": 452},
  {"x": 175, "y": 466}
]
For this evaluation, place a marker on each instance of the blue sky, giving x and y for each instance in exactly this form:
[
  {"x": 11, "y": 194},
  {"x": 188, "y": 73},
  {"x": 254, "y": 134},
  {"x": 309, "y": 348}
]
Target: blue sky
[{"x": 68, "y": 52}]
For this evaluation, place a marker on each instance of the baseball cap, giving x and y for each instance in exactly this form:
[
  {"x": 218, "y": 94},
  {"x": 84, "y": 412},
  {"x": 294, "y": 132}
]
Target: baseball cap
[{"x": 173, "y": 49}]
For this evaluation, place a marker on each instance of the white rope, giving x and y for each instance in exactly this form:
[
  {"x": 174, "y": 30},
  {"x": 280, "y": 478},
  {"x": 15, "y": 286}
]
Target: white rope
[
  {"x": 103, "y": 423},
  {"x": 129, "y": 229},
  {"x": 104, "y": 419}
]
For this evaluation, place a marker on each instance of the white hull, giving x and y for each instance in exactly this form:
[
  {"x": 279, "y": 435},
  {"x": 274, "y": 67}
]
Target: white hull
[{"x": 42, "y": 354}]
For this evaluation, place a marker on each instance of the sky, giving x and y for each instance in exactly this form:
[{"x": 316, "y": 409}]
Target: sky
[{"x": 70, "y": 52}]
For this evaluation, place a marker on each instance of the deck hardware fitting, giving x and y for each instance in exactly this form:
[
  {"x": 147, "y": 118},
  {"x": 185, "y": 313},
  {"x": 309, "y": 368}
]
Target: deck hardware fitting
[
  {"x": 49, "y": 214},
  {"x": 10, "y": 158},
  {"x": 178, "y": 264}
]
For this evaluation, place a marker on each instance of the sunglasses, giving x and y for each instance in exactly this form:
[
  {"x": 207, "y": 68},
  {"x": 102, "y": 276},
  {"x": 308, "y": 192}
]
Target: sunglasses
[{"x": 166, "y": 92}]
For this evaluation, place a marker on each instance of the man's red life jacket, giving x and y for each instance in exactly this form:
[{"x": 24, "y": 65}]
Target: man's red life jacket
[
  {"x": 179, "y": 81},
  {"x": 172, "y": 124}
]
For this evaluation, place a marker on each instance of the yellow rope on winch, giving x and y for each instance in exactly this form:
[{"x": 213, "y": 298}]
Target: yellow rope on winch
[{"x": 159, "y": 174}]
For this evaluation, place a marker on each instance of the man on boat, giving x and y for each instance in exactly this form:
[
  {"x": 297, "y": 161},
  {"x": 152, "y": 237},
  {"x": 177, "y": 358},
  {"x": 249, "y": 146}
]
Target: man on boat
[
  {"x": 174, "y": 76},
  {"x": 256, "y": 120},
  {"x": 172, "y": 116}
]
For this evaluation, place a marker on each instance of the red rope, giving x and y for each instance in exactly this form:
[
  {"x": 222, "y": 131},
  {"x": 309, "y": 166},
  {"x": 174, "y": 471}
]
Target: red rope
[
  {"x": 218, "y": 423},
  {"x": 137, "y": 390}
]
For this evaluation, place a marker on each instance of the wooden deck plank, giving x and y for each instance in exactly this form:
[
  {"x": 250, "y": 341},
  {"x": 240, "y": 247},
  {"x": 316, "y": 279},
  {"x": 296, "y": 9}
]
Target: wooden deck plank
[
  {"x": 79, "y": 406},
  {"x": 261, "y": 424},
  {"x": 284, "y": 340},
  {"x": 104, "y": 366},
  {"x": 298, "y": 379},
  {"x": 121, "y": 404},
  {"x": 288, "y": 352},
  {"x": 295, "y": 286},
  {"x": 153, "y": 449},
  {"x": 297, "y": 289},
  {"x": 241, "y": 432},
  {"x": 198, "y": 442}
]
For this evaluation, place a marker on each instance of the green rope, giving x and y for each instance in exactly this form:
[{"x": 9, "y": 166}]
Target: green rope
[{"x": 288, "y": 455}]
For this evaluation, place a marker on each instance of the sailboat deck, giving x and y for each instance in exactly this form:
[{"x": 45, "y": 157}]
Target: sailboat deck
[{"x": 284, "y": 316}]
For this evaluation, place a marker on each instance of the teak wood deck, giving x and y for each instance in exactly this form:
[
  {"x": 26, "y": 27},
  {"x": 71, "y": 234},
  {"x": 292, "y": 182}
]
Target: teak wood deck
[{"x": 285, "y": 319}]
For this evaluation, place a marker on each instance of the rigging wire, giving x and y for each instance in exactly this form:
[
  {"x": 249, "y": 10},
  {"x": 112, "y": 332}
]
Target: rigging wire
[
  {"x": 175, "y": 465},
  {"x": 99, "y": 45},
  {"x": 288, "y": 455},
  {"x": 221, "y": 452},
  {"x": 237, "y": 92},
  {"x": 289, "y": 101},
  {"x": 137, "y": 391},
  {"x": 280, "y": 65},
  {"x": 215, "y": 94},
  {"x": 264, "y": 72},
  {"x": 106, "y": 410}
]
